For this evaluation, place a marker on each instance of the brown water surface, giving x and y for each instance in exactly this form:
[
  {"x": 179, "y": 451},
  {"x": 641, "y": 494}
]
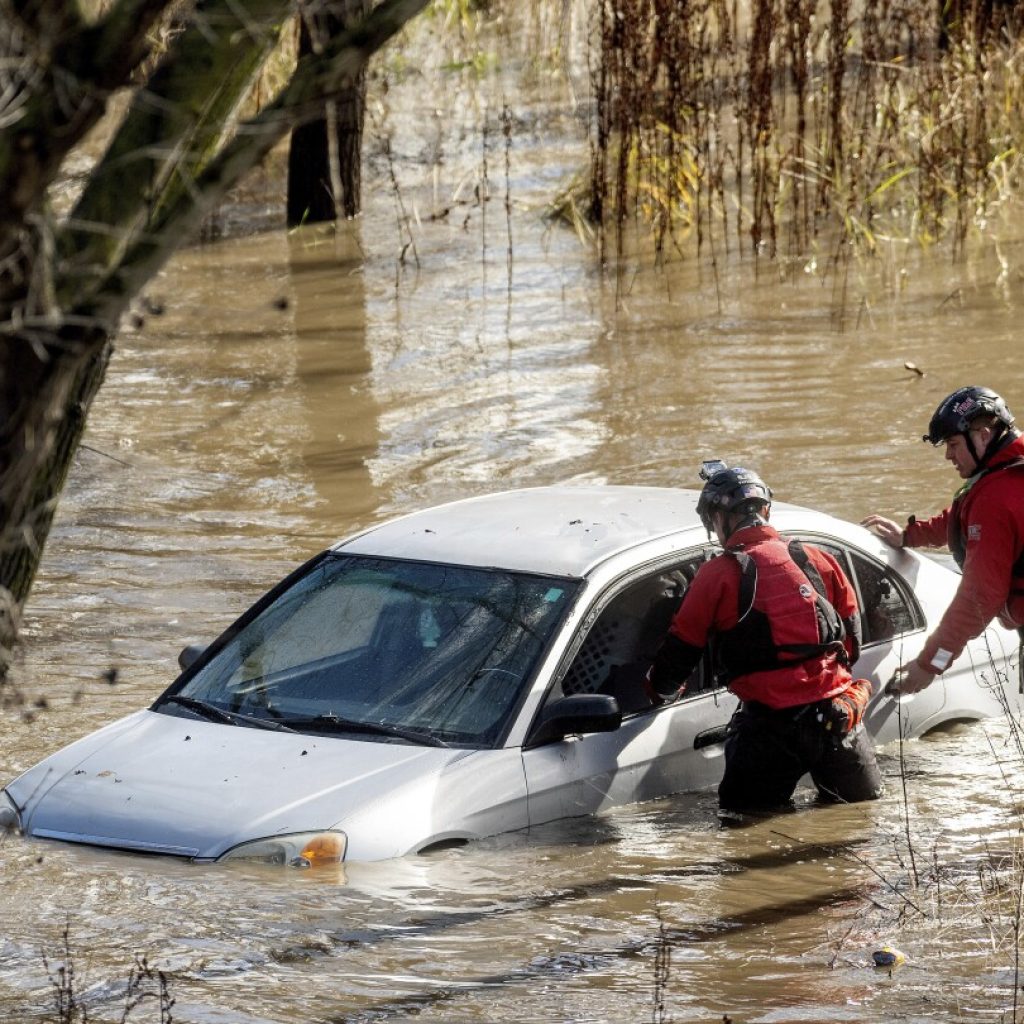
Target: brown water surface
[{"x": 298, "y": 387}]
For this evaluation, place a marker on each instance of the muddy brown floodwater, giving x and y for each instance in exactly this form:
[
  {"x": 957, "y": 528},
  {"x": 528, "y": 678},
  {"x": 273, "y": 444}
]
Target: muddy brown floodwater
[{"x": 297, "y": 387}]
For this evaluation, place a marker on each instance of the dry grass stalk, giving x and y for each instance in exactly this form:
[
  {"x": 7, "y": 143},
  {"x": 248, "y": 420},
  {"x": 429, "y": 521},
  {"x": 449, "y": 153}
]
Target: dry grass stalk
[{"x": 795, "y": 126}]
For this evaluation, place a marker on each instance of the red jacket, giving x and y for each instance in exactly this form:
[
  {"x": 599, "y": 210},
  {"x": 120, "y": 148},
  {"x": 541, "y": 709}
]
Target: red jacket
[
  {"x": 989, "y": 517},
  {"x": 711, "y": 607}
]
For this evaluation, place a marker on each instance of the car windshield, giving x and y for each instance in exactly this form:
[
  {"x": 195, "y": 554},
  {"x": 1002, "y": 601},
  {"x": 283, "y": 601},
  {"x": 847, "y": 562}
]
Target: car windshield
[{"x": 383, "y": 649}]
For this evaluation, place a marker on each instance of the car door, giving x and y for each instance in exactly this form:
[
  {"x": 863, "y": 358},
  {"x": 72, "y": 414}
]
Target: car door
[{"x": 655, "y": 751}]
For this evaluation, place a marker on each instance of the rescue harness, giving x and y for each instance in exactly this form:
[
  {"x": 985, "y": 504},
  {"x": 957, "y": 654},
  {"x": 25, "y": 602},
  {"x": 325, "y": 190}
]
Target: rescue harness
[{"x": 750, "y": 647}]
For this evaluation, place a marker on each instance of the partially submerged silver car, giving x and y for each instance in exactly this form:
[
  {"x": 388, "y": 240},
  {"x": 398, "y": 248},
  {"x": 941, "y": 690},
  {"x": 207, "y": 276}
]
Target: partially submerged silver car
[{"x": 467, "y": 670}]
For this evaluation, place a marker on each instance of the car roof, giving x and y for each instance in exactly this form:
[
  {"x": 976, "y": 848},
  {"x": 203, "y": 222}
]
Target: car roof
[{"x": 563, "y": 530}]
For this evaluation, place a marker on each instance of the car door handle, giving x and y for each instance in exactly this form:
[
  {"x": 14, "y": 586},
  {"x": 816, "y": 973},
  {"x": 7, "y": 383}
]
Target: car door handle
[{"x": 709, "y": 737}]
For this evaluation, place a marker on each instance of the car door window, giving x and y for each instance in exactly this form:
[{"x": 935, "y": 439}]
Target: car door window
[
  {"x": 886, "y": 608},
  {"x": 620, "y": 644}
]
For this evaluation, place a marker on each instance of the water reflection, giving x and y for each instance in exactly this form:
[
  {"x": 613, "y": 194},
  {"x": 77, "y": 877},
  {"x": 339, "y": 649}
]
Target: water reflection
[{"x": 334, "y": 371}]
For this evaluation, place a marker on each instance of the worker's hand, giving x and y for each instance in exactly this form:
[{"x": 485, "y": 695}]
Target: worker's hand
[
  {"x": 657, "y": 699},
  {"x": 846, "y": 709},
  {"x": 909, "y": 679},
  {"x": 653, "y": 696},
  {"x": 885, "y": 529}
]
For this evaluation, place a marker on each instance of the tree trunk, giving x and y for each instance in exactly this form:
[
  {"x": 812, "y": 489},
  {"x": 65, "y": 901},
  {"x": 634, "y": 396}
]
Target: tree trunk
[
  {"x": 47, "y": 389},
  {"x": 324, "y": 181},
  {"x": 64, "y": 287}
]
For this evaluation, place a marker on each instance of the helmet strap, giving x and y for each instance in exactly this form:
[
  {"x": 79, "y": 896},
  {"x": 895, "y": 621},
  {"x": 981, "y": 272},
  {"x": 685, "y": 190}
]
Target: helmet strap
[{"x": 979, "y": 457}]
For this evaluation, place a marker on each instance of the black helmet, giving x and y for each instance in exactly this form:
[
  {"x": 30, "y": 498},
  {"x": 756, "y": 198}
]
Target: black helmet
[
  {"x": 731, "y": 490},
  {"x": 956, "y": 411}
]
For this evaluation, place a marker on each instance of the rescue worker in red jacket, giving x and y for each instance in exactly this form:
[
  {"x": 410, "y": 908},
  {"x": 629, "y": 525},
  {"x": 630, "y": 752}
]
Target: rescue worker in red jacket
[
  {"x": 983, "y": 528},
  {"x": 783, "y": 626}
]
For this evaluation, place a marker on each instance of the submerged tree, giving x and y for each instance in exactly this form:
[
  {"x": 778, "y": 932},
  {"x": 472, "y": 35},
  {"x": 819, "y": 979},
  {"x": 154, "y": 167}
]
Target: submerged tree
[
  {"x": 324, "y": 157},
  {"x": 67, "y": 279}
]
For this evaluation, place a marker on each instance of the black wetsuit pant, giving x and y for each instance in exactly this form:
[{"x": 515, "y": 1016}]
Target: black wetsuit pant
[{"x": 767, "y": 752}]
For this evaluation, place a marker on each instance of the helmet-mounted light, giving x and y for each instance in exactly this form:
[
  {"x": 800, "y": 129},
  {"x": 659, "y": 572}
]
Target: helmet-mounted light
[{"x": 709, "y": 467}]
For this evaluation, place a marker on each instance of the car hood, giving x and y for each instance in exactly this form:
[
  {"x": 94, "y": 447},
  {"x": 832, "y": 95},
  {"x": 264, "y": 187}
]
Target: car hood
[{"x": 164, "y": 784}]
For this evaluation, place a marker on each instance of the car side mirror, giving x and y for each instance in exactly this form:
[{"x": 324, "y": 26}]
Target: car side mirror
[
  {"x": 578, "y": 713},
  {"x": 189, "y": 655}
]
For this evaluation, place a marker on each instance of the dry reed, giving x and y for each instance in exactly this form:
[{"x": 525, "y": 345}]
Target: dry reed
[{"x": 790, "y": 126}]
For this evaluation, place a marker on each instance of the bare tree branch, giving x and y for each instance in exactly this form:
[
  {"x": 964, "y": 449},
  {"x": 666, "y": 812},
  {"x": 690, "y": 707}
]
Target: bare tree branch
[
  {"x": 317, "y": 78},
  {"x": 119, "y": 42},
  {"x": 56, "y": 91},
  {"x": 48, "y": 19},
  {"x": 166, "y": 137}
]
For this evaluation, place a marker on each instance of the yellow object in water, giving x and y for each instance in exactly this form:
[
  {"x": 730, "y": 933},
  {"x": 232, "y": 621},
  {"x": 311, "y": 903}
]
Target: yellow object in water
[{"x": 888, "y": 956}]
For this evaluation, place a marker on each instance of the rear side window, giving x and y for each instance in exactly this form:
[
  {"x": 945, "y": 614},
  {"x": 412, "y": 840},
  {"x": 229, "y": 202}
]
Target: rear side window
[{"x": 886, "y": 608}]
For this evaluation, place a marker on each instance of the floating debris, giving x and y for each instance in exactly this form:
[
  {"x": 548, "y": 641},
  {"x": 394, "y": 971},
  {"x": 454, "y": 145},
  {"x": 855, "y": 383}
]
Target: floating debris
[
  {"x": 913, "y": 368},
  {"x": 888, "y": 956}
]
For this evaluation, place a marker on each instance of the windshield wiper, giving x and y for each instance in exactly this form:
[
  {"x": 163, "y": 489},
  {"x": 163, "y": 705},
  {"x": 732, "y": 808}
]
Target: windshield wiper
[
  {"x": 201, "y": 707},
  {"x": 218, "y": 714},
  {"x": 332, "y": 723}
]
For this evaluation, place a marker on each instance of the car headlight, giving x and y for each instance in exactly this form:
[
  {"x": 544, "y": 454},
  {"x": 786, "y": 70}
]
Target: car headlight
[
  {"x": 301, "y": 850},
  {"x": 10, "y": 818}
]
